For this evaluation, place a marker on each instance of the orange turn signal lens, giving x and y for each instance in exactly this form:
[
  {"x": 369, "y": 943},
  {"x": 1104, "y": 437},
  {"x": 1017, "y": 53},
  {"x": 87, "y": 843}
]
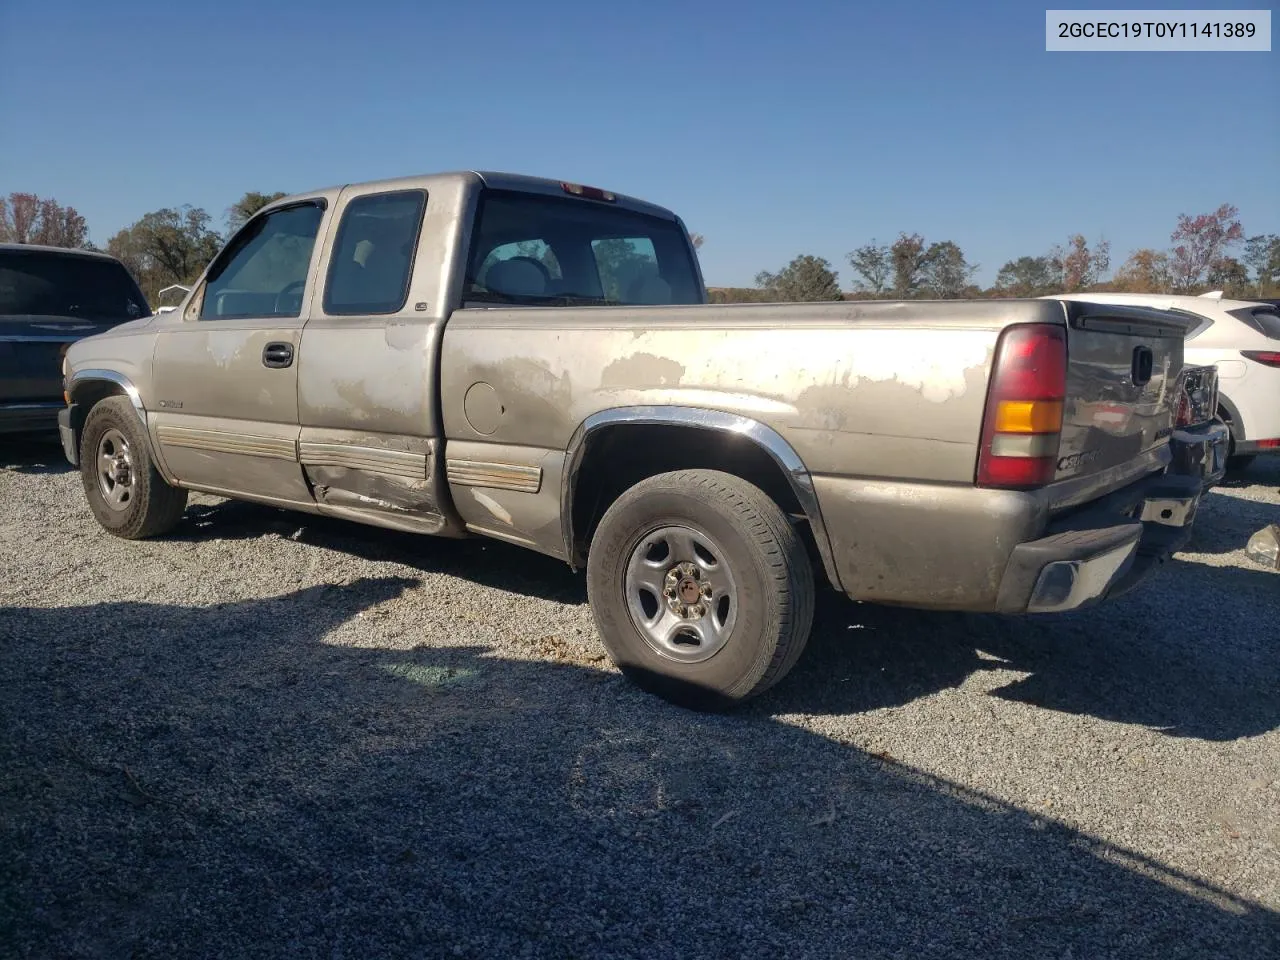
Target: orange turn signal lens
[{"x": 1029, "y": 416}]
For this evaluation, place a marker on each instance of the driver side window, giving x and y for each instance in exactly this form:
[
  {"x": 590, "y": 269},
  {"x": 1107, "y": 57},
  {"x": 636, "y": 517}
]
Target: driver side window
[{"x": 263, "y": 273}]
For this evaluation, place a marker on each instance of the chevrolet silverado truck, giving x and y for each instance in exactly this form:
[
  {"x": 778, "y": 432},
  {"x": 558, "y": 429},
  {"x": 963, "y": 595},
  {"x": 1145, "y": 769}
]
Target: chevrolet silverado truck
[{"x": 480, "y": 354}]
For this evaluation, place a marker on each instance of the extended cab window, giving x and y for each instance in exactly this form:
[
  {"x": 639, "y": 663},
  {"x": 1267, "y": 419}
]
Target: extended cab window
[
  {"x": 536, "y": 249},
  {"x": 373, "y": 253},
  {"x": 264, "y": 271}
]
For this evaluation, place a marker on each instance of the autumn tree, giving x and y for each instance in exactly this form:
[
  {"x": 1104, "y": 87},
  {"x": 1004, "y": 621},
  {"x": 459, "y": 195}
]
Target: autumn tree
[
  {"x": 27, "y": 218},
  {"x": 247, "y": 206},
  {"x": 1029, "y": 277},
  {"x": 1262, "y": 255},
  {"x": 1079, "y": 267},
  {"x": 806, "y": 278},
  {"x": 1146, "y": 271},
  {"x": 873, "y": 264},
  {"x": 167, "y": 246},
  {"x": 1200, "y": 242}
]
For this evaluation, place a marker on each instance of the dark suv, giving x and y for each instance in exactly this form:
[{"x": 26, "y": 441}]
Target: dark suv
[{"x": 49, "y": 298}]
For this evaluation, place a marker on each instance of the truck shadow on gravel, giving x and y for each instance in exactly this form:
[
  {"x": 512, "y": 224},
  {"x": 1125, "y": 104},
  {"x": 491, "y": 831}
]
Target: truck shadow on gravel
[
  {"x": 1188, "y": 653},
  {"x": 477, "y": 560},
  {"x": 233, "y": 781},
  {"x": 33, "y": 453},
  {"x": 1184, "y": 653}
]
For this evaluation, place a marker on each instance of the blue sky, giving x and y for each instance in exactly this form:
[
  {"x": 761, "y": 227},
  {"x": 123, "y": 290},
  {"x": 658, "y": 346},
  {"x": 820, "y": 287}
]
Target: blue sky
[{"x": 774, "y": 129}]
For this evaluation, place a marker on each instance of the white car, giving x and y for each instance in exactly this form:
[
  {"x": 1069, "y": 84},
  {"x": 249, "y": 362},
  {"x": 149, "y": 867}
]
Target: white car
[{"x": 1240, "y": 337}]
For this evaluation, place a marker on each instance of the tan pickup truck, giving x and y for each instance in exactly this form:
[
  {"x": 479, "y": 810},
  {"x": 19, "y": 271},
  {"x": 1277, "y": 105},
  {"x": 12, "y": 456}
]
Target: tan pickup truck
[{"x": 535, "y": 361}]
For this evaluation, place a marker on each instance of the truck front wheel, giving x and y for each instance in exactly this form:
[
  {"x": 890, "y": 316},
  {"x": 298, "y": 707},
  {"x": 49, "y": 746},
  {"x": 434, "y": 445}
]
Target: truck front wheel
[
  {"x": 126, "y": 493},
  {"x": 701, "y": 589}
]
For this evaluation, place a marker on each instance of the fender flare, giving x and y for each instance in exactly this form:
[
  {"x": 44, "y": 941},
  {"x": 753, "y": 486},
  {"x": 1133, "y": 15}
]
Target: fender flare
[
  {"x": 110, "y": 376},
  {"x": 128, "y": 389},
  {"x": 763, "y": 436}
]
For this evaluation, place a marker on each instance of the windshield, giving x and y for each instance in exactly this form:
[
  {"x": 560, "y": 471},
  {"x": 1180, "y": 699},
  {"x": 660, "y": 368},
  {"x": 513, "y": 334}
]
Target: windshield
[
  {"x": 62, "y": 285},
  {"x": 534, "y": 249}
]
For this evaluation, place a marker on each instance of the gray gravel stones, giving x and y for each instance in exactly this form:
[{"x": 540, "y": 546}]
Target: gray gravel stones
[{"x": 270, "y": 736}]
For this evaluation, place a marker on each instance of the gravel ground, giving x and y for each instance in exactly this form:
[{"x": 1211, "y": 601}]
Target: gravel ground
[{"x": 269, "y": 735}]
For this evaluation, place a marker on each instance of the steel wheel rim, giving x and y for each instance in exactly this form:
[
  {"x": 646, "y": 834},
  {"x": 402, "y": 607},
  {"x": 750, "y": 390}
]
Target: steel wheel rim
[
  {"x": 115, "y": 470},
  {"x": 681, "y": 594}
]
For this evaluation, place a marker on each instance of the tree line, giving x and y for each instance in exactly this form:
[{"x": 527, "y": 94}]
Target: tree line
[{"x": 1207, "y": 251}]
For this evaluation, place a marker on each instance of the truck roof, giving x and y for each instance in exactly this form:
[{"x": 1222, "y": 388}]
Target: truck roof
[{"x": 497, "y": 181}]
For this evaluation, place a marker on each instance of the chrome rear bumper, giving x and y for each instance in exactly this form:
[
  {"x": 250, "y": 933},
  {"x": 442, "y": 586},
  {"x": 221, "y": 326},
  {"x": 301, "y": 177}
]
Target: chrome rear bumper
[{"x": 1102, "y": 550}]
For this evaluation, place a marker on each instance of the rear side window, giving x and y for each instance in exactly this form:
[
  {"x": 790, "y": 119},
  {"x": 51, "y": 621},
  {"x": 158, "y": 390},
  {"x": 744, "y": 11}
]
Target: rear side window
[
  {"x": 530, "y": 248},
  {"x": 1266, "y": 320},
  {"x": 64, "y": 285},
  {"x": 373, "y": 254}
]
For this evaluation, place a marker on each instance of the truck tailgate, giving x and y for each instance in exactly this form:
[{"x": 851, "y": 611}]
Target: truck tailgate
[{"x": 1122, "y": 385}]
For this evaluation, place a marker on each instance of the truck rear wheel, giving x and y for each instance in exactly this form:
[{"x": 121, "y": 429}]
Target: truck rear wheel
[
  {"x": 701, "y": 589},
  {"x": 127, "y": 495}
]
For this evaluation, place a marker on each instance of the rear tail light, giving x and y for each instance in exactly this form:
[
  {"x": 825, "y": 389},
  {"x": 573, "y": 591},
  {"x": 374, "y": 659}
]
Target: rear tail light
[
  {"x": 1184, "y": 410},
  {"x": 1269, "y": 444},
  {"x": 1023, "y": 420},
  {"x": 1266, "y": 357}
]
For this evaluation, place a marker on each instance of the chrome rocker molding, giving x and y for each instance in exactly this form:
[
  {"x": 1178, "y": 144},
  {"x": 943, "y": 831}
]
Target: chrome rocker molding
[
  {"x": 762, "y": 436},
  {"x": 498, "y": 476},
  {"x": 218, "y": 441},
  {"x": 396, "y": 463}
]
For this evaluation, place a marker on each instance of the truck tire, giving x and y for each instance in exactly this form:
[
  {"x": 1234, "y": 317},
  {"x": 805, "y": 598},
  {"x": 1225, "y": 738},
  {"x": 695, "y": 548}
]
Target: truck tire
[
  {"x": 700, "y": 587},
  {"x": 127, "y": 495}
]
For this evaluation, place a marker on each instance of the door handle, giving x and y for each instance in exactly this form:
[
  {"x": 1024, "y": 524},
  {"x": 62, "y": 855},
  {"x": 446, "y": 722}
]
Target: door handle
[{"x": 277, "y": 355}]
